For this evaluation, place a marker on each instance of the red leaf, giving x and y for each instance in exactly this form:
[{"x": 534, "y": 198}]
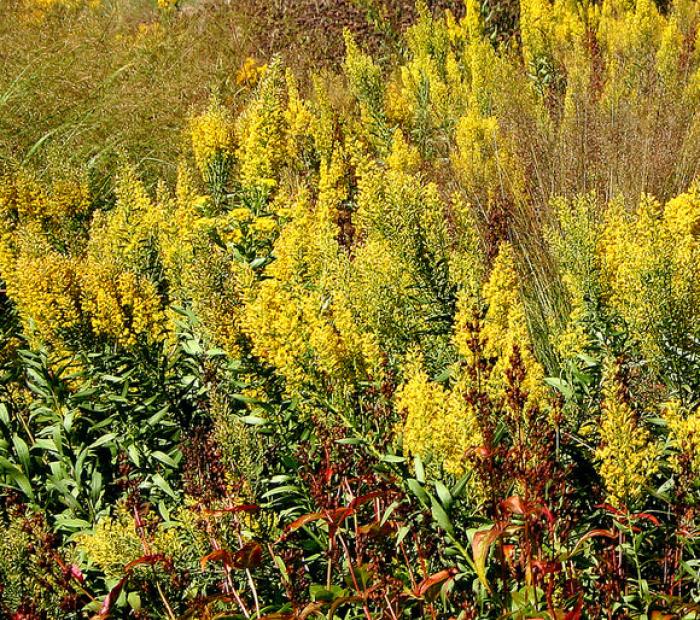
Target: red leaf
[
  {"x": 219, "y": 555},
  {"x": 647, "y": 516},
  {"x": 592, "y": 534},
  {"x": 363, "y": 499},
  {"x": 336, "y": 517},
  {"x": 249, "y": 556},
  {"x": 300, "y": 522},
  {"x": 145, "y": 559},
  {"x": 74, "y": 572},
  {"x": 545, "y": 567},
  {"x": 611, "y": 509},
  {"x": 233, "y": 509},
  {"x": 661, "y": 615},
  {"x": 515, "y": 505},
  {"x": 429, "y": 582},
  {"x": 376, "y": 528},
  {"x": 481, "y": 543},
  {"x": 111, "y": 597},
  {"x": 575, "y": 613}
]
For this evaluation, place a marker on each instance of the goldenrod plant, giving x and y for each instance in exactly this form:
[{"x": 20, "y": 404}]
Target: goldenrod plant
[{"x": 415, "y": 338}]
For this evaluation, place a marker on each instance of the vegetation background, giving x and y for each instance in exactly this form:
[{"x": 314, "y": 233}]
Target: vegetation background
[{"x": 353, "y": 309}]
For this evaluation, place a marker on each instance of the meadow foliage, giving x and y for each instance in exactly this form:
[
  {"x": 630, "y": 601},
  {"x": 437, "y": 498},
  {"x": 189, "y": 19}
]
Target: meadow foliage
[{"x": 416, "y": 338}]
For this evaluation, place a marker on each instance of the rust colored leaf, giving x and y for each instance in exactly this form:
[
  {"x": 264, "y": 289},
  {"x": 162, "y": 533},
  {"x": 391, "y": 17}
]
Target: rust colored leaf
[
  {"x": 515, "y": 505},
  {"x": 300, "y": 522},
  {"x": 249, "y": 556},
  {"x": 363, "y": 499},
  {"x": 430, "y": 582},
  {"x": 336, "y": 517},
  {"x": 219, "y": 555},
  {"x": 481, "y": 543},
  {"x": 145, "y": 559},
  {"x": 545, "y": 567},
  {"x": 647, "y": 516},
  {"x": 232, "y": 509},
  {"x": 662, "y": 615},
  {"x": 602, "y": 533},
  {"x": 575, "y": 613},
  {"x": 112, "y": 596},
  {"x": 76, "y": 573},
  {"x": 376, "y": 528}
]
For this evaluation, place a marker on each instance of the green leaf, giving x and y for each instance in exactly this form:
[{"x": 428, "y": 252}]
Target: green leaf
[
  {"x": 22, "y": 451},
  {"x": 417, "y": 489},
  {"x": 440, "y": 516},
  {"x": 134, "y": 601},
  {"x": 15, "y": 474},
  {"x": 102, "y": 441},
  {"x": 393, "y": 458},
  {"x": 164, "y": 458},
  {"x": 560, "y": 385},
  {"x": 163, "y": 485},
  {"x": 134, "y": 455},
  {"x": 461, "y": 485},
  {"x": 45, "y": 444},
  {"x": 322, "y": 593},
  {"x": 253, "y": 420},
  {"x": 351, "y": 441},
  {"x": 443, "y": 494},
  {"x": 420, "y": 470},
  {"x": 4, "y": 415}
]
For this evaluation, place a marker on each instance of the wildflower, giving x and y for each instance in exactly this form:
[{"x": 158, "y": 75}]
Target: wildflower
[
  {"x": 684, "y": 436},
  {"x": 505, "y": 330},
  {"x": 260, "y": 133},
  {"x": 211, "y": 134},
  {"x": 627, "y": 454},
  {"x": 439, "y": 424},
  {"x": 250, "y": 72}
]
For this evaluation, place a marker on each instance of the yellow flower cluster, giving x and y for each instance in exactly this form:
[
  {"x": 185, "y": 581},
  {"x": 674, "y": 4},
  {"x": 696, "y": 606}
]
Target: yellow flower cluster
[
  {"x": 211, "y": 134},
  {"x": 296, "y": 320},
  {"x": 627, "y": 454},
  {"x": 23, "y": 197},
  {"x": 365, "y": 80},
  {"x": 651, "y": 271},
  {"x": 684, "y": 435},
  {"x": 439, "y": 424},
  {"x": 505, "y": 328},
  {"x": 120, "y": 298},
  {"x": 39, "y": 252},
  {"x": 250, "y": 72},
  {"x": 45, "y": 285},
  {"x": 260, "y": 132},
  {"x": 202, "y": 274},
  {"x": 167, "y": 5},
  {"x": 115, "y": 542},
  {"x": 573, "y": 240}
]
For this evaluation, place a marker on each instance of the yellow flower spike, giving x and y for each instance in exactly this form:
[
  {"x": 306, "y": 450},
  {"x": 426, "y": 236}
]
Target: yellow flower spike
[
  {"x": 250, "y": 72},
  {"x": 261, "y": 133},
  {"x": 211, "y": 135},
  {"x": 403, "y": 157},
  {"x": 505, "y": 328},
  {"x": 122, "y": 303},
  {"x": 439, "y": 424},
  {"x": 627, "y": 455},
  {"x": 684, "y": 435}
]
